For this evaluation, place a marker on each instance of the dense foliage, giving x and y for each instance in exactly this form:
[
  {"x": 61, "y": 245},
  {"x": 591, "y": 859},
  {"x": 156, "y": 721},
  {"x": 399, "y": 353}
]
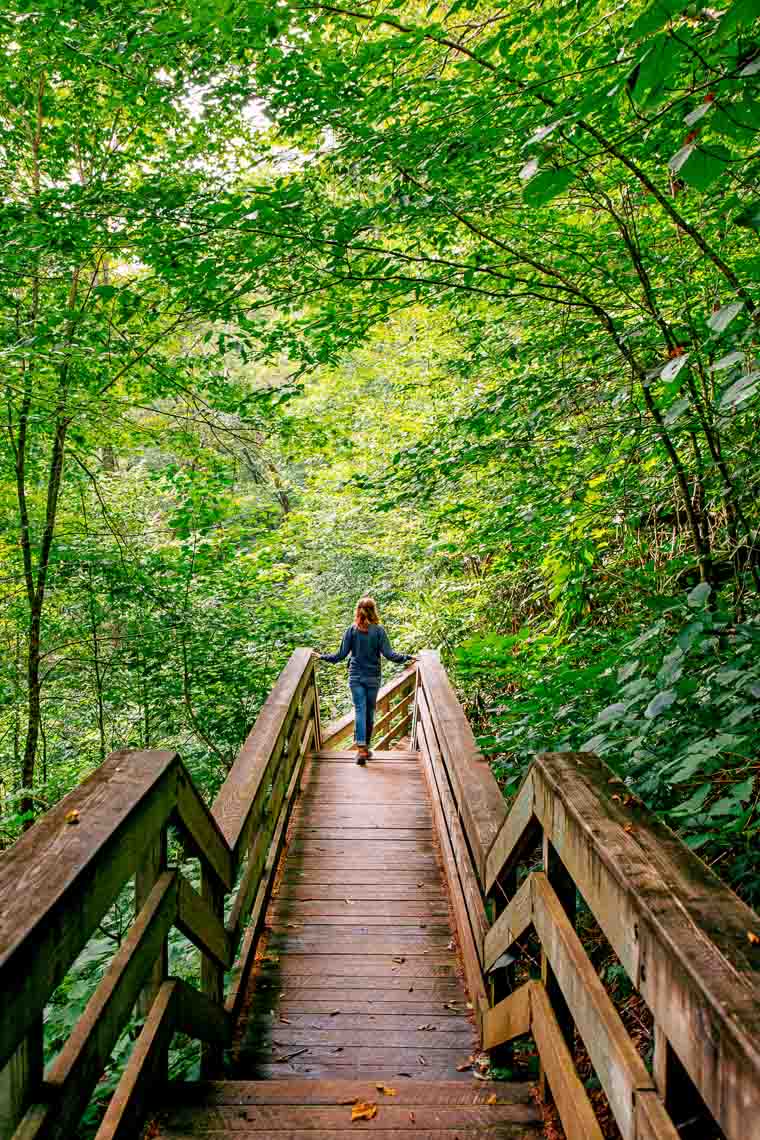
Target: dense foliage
[{"x": 455, "y": 304}]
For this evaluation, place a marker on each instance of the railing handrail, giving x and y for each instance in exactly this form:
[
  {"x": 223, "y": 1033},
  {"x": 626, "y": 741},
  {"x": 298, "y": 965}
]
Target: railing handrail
[
  {"x": 233, "y": 807},
  {"x": 478, "y": 796},
  {"x": 682, "y": 935},
  {"x": 688, "y": 943},
  {"x": 339, "y": 728},
  {"x": 69, "y": 869}
]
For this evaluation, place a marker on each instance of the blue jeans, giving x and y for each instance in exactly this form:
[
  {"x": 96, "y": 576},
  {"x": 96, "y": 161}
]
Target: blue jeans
[{"x": 364, "y": 697}]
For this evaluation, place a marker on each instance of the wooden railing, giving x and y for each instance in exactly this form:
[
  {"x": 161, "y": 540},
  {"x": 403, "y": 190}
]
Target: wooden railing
[
  {"x": 688, "y": 944},
  {"x": 393, "y": 719},
  {"x": 60, "y": 879}
]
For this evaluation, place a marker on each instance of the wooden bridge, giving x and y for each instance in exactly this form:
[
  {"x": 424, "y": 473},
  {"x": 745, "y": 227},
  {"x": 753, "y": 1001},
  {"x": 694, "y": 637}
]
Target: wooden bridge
[{"x": 362, "y": 935}]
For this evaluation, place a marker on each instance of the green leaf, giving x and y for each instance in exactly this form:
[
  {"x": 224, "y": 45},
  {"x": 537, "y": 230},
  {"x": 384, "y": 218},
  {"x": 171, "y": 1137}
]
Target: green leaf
[
  {"x": 740, "y": 391},
  {"x": 660, "y": 703},
  {"x": 703, "y": 165},
  {"x": 699, "y": 595},
  {"x": 545, "y": 185},
  {"x": 654, "y": 17}
]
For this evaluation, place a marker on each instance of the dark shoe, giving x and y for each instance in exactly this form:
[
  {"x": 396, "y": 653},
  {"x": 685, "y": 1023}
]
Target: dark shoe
[{"x": 362, "y": 755}]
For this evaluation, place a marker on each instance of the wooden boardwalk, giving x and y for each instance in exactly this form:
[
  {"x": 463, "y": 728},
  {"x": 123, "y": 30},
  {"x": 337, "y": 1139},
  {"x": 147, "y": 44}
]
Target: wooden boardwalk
[
  {"x": 357, "y": 984},
  {"x": 357, "y": 930}
]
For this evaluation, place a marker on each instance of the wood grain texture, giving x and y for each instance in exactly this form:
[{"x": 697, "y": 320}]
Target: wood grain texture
[
  {"x": 513, "y": 921},
  {"x": 233, "y": 804},
  {"x": 128, "y": 1105},
  {"x": 573, "y": 1105},
  {"x": 399, "y": 957},
  {"x": 511, "y": 1017},
  {"x": 321, "y": 1109},
  {"x": 680, "y": 933},
  {"x": 68, "y": 875},
  {"x": 477, "y": 794}
]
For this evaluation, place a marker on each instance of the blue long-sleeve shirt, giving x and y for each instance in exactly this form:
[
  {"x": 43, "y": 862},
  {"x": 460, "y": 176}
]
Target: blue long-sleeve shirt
[{"x": 366, "y": 649}]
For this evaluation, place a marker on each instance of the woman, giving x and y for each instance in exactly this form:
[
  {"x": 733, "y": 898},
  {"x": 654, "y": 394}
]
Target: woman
[{"x": 365, "y": 640}]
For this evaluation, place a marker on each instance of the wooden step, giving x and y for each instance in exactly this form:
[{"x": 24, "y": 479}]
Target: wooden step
[{"x": 298, "y": 1109}]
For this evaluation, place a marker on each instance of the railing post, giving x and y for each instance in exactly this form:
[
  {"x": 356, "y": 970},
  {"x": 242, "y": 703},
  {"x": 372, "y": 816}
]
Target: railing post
[
  {"x": 212, "y": 974},
  {"x": 562, "y": 883},
  {"x": 502, "y": 980},
  {"x": 146, "y": 876},
  {"x": 20, "y": 1079},
  {"x": 678, "y": 1092},
  {"x": 317, "y": 742},
  {"x": 153, "y": 865}
]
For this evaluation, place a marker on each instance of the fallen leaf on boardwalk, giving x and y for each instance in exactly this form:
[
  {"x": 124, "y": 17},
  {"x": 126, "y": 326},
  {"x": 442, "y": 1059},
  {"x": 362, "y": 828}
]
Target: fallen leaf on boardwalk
[
  {"x": 284, "y": 1020},
  {"x": 491, "y": 1099},
  {"x": 420, "y": 884},
  {"x": 385, "y": 1090},
  {"x": 450, "y": 1005},
  {"x": 421, "y": 1059},
  {"x": 349, "y": 1100},
  {"x": 411, "y": 1116},
  {"x": 334, "y": 1012},
  {"x": 72, "y": 816},
  {"x": 410, "y": 990},
  {"x": 754, "y": 938},
  {"x": 426, "y": 1027},
  {"x": 364, "y": 1111},
  {"x": 398, "y": 958}
]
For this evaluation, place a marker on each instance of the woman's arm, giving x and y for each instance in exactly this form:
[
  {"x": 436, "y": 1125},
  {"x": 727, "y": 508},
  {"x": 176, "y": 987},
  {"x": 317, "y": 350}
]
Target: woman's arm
[
  {"x": 385, "y": 649},
  {"x": 345, "y": 649}
]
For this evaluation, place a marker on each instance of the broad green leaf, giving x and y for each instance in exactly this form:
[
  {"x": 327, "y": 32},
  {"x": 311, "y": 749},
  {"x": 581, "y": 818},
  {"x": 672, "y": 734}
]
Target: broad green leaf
[
  {"x": 545, "y": 185},
  {"x": 721, "y": 319},
  {"x": 660, "y": 703},
  {"x": 740, "y": 391},
  {"x": 703, "y": 165}
]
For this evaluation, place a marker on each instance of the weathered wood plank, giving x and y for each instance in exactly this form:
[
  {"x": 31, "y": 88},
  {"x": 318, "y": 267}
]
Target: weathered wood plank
[
  {"x": 519, "y": 829},
  {"x": 197, "y": 920},
  {"x": 470, "y": 886},
  {"x": 616, "y": 1061},
  {"x": 303, "y": 1091},
  {"x": 477, "y": 794},
  {"x": 469, "y": 950},
  {"x": 128, "y": 1106},
  {"x": 79, "y": 1066},
  {"x": 201, "y": 831},
  {"x": 21, "y": 1080},
  {"x": 148, "y": 873},
  {"x": 509, "y": 1018},
  {"x": 242, "y": 967},
  {"x": 578, "y": 1119},
  {"x": 233, "y": 805},
  {"x": 510, "y": 925},
  {"x": 680, "y": 933},
  {"x": 68, "y": 874},
  {"x": 394, "y": 713},
  {"x": 198, "y": 1016},
  {"x": 652, "y": 1121},
  {"x": 395, "y": 732}
]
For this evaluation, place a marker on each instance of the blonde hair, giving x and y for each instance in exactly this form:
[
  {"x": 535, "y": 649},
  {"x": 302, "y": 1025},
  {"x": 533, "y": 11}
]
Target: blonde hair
[{"x": 366, "y": 613}]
